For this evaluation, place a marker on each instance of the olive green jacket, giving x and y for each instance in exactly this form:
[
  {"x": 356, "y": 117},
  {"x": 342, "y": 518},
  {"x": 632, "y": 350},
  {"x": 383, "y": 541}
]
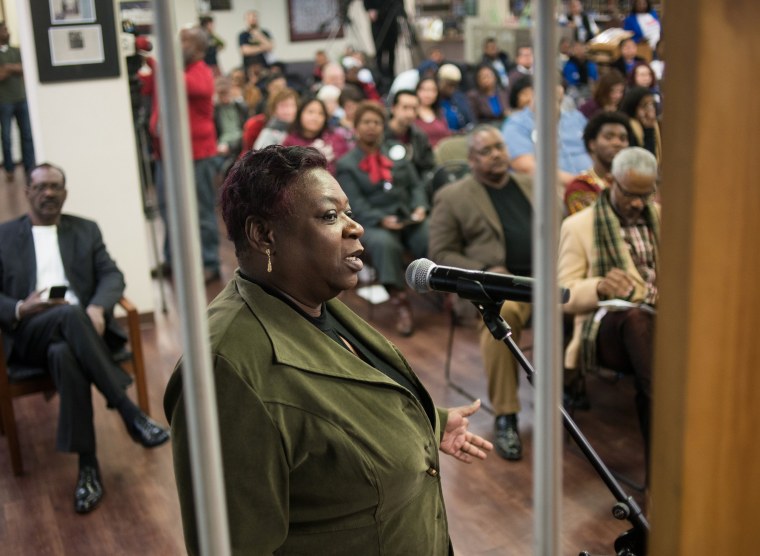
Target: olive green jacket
[{"x": 322, "y": 454}]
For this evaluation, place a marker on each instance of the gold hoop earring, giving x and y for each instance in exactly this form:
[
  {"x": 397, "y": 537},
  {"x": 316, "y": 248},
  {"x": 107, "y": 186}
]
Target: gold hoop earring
[{"x": 269, "y": 260}]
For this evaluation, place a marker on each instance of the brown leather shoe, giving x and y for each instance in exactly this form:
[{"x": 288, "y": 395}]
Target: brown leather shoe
[{"x": 404, "y": 319}]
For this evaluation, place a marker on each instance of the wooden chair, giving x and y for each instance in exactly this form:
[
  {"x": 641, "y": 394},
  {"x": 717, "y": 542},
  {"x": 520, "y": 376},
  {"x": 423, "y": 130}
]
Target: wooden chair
[{"x": 21, "y": 381}]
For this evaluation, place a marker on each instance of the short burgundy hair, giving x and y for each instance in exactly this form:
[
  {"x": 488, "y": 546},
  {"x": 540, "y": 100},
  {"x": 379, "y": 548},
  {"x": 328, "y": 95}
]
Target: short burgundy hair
[{"x": 261, "y": 185}]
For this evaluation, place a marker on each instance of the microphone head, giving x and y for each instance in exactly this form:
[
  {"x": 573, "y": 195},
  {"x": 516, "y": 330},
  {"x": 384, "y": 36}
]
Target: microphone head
[{"x": 418, "y": 275}]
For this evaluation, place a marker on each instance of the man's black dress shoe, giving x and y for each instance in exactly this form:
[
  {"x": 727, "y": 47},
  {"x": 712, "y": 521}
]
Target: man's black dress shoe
[
  {"x": 507, "y": 441},
  {"x": 89, "y": 491},
  {"x": 147, "y": 432}
]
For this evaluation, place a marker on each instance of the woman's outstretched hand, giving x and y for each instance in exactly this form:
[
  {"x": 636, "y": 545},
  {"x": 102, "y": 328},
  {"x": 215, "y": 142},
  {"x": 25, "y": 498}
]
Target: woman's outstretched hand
[{"x": 458, "y": 441}]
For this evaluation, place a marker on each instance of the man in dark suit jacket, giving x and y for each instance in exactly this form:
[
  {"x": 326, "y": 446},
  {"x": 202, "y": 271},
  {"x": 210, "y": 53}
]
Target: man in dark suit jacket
[{"x": 71, "y": 335}]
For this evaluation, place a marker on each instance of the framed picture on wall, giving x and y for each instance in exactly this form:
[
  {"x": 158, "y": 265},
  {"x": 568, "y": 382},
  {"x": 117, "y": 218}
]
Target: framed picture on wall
[
  {"x": 71, "y": 11},
  {"x": 82, "y": 44},
  {"x": 218, "y": 5},
  {"x": 315, "y": 19},
  {"x": 76, "y": 39}
]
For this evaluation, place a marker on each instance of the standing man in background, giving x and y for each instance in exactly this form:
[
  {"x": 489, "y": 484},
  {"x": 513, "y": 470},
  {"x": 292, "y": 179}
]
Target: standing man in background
[
  {"x": 383, "y": 15},
  {"x": 199, "y": 83},
  {"x": 13, "y": 103},
  {"x": 255, "y": 43}
]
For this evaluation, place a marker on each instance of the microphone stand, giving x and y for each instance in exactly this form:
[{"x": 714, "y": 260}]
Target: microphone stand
[{"x": 629, "y": 543}]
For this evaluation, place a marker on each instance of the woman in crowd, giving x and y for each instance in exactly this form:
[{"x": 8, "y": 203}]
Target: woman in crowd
[
  {"x": 328, "y": 439},
  {"x": 521, "y": 93},
  {"x": 281, "y": 109},
  {"x": 488, "y": 100},
  {"x": 429, "y": 118},
  {"x": 389, "y": 199},
  {"x": 607, "y": 96},
  {"x": 310, "y": 129},
  {"x": 643, "y": 76},
  {"x": 640, "y": 107}
]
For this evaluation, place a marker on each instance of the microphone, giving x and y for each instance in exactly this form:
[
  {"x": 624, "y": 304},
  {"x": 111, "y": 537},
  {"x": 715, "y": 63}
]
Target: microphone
[{"x": 423, "y": 275}]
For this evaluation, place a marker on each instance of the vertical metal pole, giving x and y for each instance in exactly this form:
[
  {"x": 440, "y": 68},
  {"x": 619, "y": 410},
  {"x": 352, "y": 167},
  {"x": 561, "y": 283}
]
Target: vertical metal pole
[
  {"x": 547, "y": 468},
  {"x": 200, "y": 394}
]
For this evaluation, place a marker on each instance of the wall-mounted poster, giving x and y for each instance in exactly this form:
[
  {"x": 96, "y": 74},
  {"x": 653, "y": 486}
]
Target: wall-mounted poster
[
  {"x": 75, "y": 39},
  {"x": 139, "y": 13},
  {"x": 71, "y": 11},
  {"x": 82, "y": 44},
  {"x": 315, "y": 19}
]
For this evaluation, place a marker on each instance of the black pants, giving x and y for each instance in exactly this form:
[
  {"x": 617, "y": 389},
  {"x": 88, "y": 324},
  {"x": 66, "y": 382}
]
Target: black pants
[
  {"x": 64, "y": 341},
  {"x": 385, "y": 34},
  {"x": 625, "y": 344}
]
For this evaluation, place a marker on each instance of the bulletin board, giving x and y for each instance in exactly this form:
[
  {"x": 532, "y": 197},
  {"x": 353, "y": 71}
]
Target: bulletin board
[{"x": 315, "y": 19}]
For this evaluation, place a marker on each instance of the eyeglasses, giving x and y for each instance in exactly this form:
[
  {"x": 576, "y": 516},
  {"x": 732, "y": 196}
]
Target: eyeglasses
[
  {"x": 52, "y": 186},
  {"x": 643, "y": 197}
]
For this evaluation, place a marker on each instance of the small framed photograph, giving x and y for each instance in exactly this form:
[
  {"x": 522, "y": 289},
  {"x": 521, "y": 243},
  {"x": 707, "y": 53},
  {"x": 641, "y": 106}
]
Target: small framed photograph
[
  {"x": 64, "y": 12},
  {"x": 82, "y": 44}
]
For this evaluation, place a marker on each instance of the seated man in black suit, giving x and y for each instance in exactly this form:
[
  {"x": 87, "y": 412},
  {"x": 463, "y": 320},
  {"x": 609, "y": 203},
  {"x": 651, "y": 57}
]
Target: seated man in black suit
[{"x": 70, "y": 336}]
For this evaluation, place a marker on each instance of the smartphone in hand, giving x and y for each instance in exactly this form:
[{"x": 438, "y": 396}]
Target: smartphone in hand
[{"x": 57, "y": 292}]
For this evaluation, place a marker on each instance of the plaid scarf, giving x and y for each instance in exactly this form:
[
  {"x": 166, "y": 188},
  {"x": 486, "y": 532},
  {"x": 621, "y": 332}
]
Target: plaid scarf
[{"x": 610, "y": 248}]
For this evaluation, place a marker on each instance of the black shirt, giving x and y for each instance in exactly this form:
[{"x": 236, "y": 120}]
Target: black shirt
[{"x": 516, "y": 216}]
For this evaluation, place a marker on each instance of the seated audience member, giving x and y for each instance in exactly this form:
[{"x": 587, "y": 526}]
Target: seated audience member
[
  {"x": 483, "y": 222},
  {"x": 609, "y": 251},
  {"x": 270, "y": 86},
  {"x": 311, "y": 129},
  {"x": 332, "y": 74},
  {"x": 320, "y": 59},
  {"x": 521, "y": 93},
  {"x": 644, "y": 23},
  {"x": 330, "y": 97},
  {"x": 579, "y": 73},
  {"x": 523, "y": 63},
  {"x": 389, "y": 200},
  {"x": 453, "y": 102},
  {"x": 281, "y": 109},
  {"x": 349, "y": 100},
  {"x": 518, "y": 132},
  {"x": 71, "y": 336},
  {"x": 252, "y": 129},
  {"x": 229, "y": 117},
  {"x": 361, "y": 77},
  {"x": 430, "y": 65},
  {"x": 607, "y": 95},
  {"x": 643, "y": 76},
  {"x": 628, "y": 57},
  {"x": 402, "y": 131},
  {"x": 563, "y": 52},
  {"x": 237, "y": 83},
  {"x": 583, "y": 25},
  {"x": 430, "y": 120},
  {"x": 488, "y": 100},
  {"x": 640, "y": 106},
  {"x": 606, "y": 134},
  {"x": 329, "y": 441},
  {"x": 497, "y": 59}
]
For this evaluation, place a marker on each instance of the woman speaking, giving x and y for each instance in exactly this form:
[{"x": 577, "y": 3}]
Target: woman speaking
[{"x": 329, "y": 441}]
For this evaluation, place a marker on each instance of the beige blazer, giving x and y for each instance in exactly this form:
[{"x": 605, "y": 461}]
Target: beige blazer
[{"x": 576, "y": 261}]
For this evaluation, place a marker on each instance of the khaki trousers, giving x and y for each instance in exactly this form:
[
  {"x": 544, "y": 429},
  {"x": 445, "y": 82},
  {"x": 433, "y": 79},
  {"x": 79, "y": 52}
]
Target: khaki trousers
[{"x": 500, "y": 364}]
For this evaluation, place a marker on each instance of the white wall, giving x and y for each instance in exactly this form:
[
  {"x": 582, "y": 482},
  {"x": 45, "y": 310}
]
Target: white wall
[
  {"x": 273, "y": 16},
  {"x": 86, "y": 128}
]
